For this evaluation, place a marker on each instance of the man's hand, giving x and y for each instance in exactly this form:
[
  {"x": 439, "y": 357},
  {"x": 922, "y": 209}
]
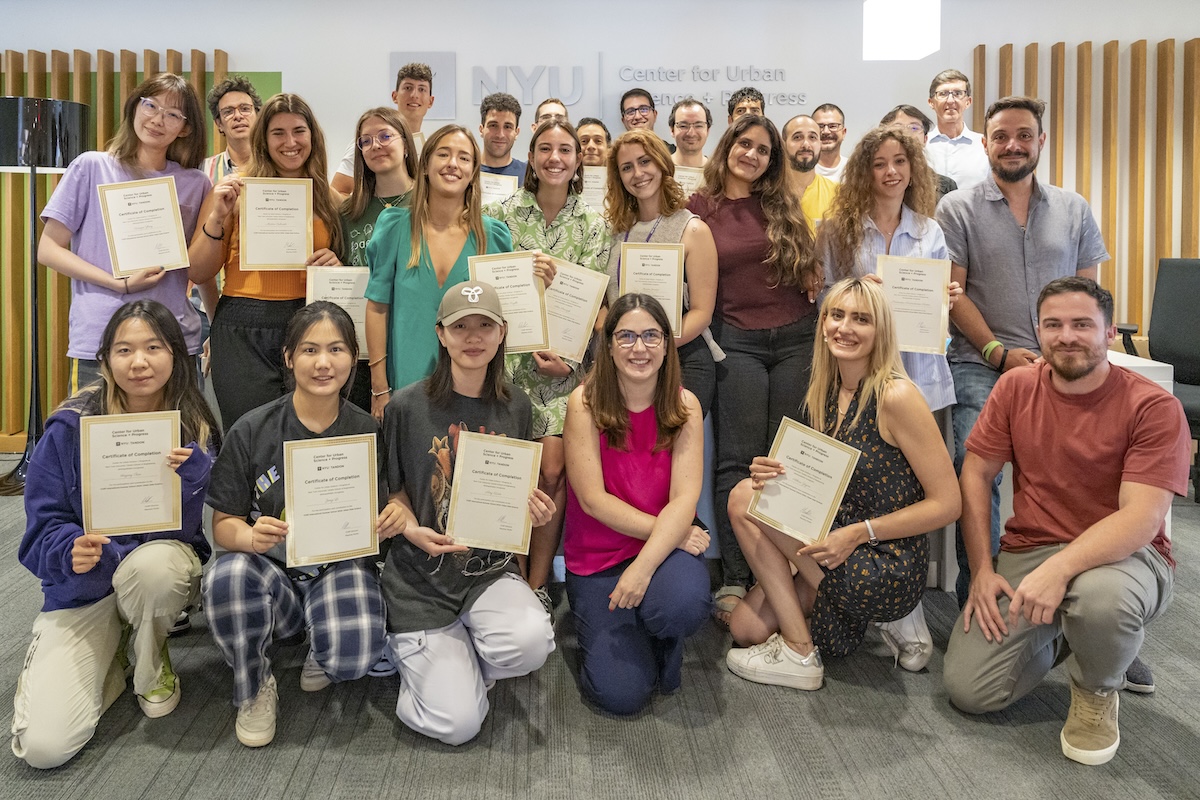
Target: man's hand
[
  {"x": 981, "y": 603},
  {"x": 1038, "y": 596},
  {"x": 1019, "y": 357}
]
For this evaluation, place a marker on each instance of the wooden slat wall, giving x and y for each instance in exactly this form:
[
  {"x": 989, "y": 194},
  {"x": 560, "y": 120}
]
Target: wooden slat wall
[
  {"x": 1110, "y": 160},
  {"x": 1031, "y": 70},
  {"x": 1136, "y": 208},
  {"x": 68, "y": 77},
  {"x": 1006, "y": 70},
  {"x": 1058, "y": 96},
  {"x": 1164, "y": 154},
  {"x": 1189, "y": 246},
  {"x": 979, "y": 90},
  {"x": 1083, "y": 119}
]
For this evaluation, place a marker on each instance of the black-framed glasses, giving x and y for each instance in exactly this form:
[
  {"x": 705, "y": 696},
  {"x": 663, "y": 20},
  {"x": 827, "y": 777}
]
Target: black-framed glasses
[
  {"x": 171, "y": 116},
  {"x": 946, "y": 94},
  {"x": 245, "y": 109},
  {"x": 634, "y": 111},
  {"x": 383, "y": 139},
  {"x": 651, "y": 337},
  {"x": 832, "y": 127}
]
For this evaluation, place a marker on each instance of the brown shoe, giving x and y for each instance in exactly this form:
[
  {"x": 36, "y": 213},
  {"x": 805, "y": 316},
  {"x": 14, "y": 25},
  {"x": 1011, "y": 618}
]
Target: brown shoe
[{"x": 1091, "y": 735}]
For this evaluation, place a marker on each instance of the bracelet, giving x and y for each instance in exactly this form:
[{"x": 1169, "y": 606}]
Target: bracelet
[
  {"x": 376, "y": 361},
  {"x": 872, "y": 539},
  {"x": 125, "y": 285},
  {"x": 990, "y": 348},
  {"x": 380, "y": 394},
  {"x": 1003, "y": 358},
  {"x": 209, "y": 235}
]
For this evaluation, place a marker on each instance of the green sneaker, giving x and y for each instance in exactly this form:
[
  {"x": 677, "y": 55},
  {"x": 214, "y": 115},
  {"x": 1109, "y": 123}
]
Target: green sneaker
[{"x": 162, "y": 699}]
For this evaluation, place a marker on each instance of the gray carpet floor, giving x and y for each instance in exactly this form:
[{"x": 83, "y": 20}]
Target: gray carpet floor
[{"x": 873, "y": 731}]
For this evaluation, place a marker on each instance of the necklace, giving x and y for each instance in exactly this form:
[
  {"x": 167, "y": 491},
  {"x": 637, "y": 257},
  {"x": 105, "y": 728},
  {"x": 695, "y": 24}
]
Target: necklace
[{"x": 392, "y": 202}]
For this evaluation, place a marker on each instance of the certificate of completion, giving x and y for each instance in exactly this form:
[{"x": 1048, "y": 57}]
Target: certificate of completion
[
  {"x": 489, "y": 501},
  {"x": 128, "y": 487},
  {"x": 690, "y": 179},
  {"x": 522, "y": 298},
  {"x": 595, "y": 185},
  {"x": 656, "y": 270},
  {"x": 916, "y": 288},
  {"x": 143, "y": 225},
  {"x": 803, "y": 501},
  {"x": 572, "y": 305},
  {"x": 494, "y": 188},
  {"x": 276, "y": 223},
  {"x": 346, "y": 286},
  {"x": 332, "y": 499}
]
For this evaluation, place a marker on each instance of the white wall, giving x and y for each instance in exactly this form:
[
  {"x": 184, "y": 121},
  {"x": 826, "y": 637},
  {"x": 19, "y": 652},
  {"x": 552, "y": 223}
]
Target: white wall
[{"x": 337, "y": 55}]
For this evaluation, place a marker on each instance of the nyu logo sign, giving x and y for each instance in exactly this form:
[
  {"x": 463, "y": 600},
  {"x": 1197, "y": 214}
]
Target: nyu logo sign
[{"x": 551, "y": 79}]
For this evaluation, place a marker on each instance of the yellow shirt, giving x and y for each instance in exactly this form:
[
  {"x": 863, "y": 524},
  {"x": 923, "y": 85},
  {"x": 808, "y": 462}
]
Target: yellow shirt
[{"x": 817, "y": 199}]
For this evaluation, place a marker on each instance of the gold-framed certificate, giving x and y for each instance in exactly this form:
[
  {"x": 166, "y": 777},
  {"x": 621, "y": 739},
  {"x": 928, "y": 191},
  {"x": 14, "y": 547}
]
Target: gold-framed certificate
[
  {"x": 656, "y": 270},
  {"x": 522, "y": 297},
  {"x": 332, "y": 496},
  {"x": 803, "y": 501},
  {"x": 275, "y": 225},
  {"x": 690, "y": 179},
  {"x": 495, "y": 188},
  {"x": 917, "y": 290},
  {"x": 128, "y": 486},
  {"x": 143, "y": 225},
  {"x": 595, "y": 186},
  {"x": 489, "y": 501},
  {"x": 572, "y": 305},
  {"x": 347, "y": 287}
]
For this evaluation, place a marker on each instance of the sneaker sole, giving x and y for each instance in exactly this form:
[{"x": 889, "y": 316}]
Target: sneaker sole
[
  {"x": 154, "y": 710},
  {"x": 1092, "y": 758},
  {"x": 805, "y": 683},
  {"x": 256, "y": 739},
  {"x": 1139, "y": 688},
  {"x": 314, "y": 683}
]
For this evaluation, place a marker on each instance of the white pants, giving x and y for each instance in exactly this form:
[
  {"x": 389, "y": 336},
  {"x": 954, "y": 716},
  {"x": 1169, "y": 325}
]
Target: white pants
[
  {"x": 443, "y": 672},
  {"x": 71, "y": 675}
]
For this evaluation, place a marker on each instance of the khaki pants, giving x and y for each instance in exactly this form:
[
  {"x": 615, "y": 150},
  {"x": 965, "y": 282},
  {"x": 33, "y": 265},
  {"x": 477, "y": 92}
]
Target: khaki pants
[
  {"x": 71, "y": 675},
  {"x": 1098, "y": 630}
]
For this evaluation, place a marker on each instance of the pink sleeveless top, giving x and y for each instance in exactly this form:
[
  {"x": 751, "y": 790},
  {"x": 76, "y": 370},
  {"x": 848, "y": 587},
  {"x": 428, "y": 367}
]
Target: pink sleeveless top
[{"x": 639, "y": 476}]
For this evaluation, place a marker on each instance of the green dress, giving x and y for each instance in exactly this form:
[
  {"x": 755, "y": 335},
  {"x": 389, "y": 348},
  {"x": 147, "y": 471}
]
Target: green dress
[{"x": 579, "y": 235}]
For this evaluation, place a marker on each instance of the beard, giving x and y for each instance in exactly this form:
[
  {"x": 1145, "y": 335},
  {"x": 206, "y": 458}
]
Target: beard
[
  {"x": 1015, "y": 174},
  {"x": 1074, "y": 364},
  {"x": 798, "y": 163}
]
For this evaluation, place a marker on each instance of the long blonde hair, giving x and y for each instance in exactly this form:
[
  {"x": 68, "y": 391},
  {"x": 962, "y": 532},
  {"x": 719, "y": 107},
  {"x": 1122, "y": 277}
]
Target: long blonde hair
[
  {"x": 883, "y": 368},
  {"x": 620, "y": 207},
  {"x": 472, "y": 213}
]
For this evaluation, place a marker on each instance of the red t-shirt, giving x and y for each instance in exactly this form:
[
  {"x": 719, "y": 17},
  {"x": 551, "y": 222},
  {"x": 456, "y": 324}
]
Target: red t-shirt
[{"x": 1070, "y": 453}]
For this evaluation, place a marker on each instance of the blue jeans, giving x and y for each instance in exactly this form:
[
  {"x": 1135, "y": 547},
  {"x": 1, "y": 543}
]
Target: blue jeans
[
  {"x": 972, "y": 385},
  {"x": 625, "y": 653},
  {"x": 763, "y": 379}
]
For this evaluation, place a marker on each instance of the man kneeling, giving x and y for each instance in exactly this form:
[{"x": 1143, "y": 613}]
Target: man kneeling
[{"x": 1084, "y": 564}]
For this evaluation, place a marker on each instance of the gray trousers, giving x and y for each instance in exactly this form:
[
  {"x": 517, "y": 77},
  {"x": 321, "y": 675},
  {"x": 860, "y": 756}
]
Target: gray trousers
[{"x": 1098, "y": 630}]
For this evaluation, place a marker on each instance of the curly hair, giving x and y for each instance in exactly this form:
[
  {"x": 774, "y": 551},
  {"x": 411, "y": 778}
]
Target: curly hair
[
  {"x": 620, "y": 207},
  {"x": 843, "y": 228}
]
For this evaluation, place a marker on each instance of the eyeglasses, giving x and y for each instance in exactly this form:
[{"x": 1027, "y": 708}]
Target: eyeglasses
[
  {"x": 946, "y": 94},
  {"x": 245, "y": 109},
  {"x": 555, "y": 117},
  {"x": 651, "y": 337},
  {"x": 690, "y": 126},
  {"x": 832, "y": 127},
  {"x": 383, "y": 139},
  {"x": 912, "y": 127},
  {"x": 634, "y": 111},
  {"x": 171, "y": 117}
]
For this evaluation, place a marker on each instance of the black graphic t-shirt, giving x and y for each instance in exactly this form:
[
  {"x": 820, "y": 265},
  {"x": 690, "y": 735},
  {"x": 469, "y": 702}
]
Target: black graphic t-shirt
[{"x": 420, "y": 440}]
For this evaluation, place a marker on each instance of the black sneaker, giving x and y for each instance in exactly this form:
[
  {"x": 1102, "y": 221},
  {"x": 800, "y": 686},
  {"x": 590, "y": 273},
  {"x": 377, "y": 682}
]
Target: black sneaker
[
  {"x": 183, "y": 624},
  {"x": 1139, "y": 678}
]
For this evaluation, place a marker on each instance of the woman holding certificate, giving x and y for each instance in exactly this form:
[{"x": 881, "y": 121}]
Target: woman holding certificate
[
  {"x": 106, "y": 592},
  {"x": 459, "y": 618},
  {"x": 257, "y": 300},
  {"x": 161, "y": 138},
  {"x": 646, "y": 205},
  {"x": 415, "y": 253},
  {"x": 871, "y": 567},
  {"x": 636, "y": 578},
  {"x": 250, "y": 596},
  {"x": 764, "y": 321},
  {"x": 549, "y": 216}
]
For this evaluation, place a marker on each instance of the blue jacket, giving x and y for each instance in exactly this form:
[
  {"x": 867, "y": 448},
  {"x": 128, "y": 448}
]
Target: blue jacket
[{"x": 54, "y": 518}]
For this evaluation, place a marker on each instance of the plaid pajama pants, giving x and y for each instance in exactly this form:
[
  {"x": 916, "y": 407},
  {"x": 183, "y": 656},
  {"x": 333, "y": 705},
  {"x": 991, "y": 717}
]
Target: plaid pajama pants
[{"x": 250, "y": 600}]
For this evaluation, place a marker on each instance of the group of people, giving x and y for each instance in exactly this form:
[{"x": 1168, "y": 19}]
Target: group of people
[{"x": 780, "y": 244}]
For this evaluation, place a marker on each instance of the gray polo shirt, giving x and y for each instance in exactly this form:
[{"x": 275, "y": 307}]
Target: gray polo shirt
[{"x": 1007, "y": 266}]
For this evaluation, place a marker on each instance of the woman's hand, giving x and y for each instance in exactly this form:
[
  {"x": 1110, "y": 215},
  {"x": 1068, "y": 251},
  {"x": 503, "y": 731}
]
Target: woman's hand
[
  {"x": 143, "y": 280},
  {"x": 543, "y": 267},
  {"x": 432, "y": 542},
  {"x": 630, "y": 589},
  {"x": 392, "y": 520},
  {"x": 833, "y": 551},
  {"x": 762, "y": 469},
  {"x": 323, "y": 258},
  {"x": 378, "y": 404},
  {"x": 956, "y": 291},
  {"x": 86, "y": 552},
  {"x": 550, "y": 365},
  {"x": 696, "y": 541},
  {"x": 224, "y": 200},
  {"x": 541, "y": 508},
  {"x": 266, "y": 533},
  {"x": 177, "y": 456}
]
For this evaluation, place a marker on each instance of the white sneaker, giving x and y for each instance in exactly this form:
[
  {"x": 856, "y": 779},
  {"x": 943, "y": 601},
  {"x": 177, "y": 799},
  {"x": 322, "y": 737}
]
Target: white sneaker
[
  {"x": 256, "y": 718},
  {"x": 775, "y": 663},
  {"x": 909, "y": 640},
  {"x": 312, "y": 677}
]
